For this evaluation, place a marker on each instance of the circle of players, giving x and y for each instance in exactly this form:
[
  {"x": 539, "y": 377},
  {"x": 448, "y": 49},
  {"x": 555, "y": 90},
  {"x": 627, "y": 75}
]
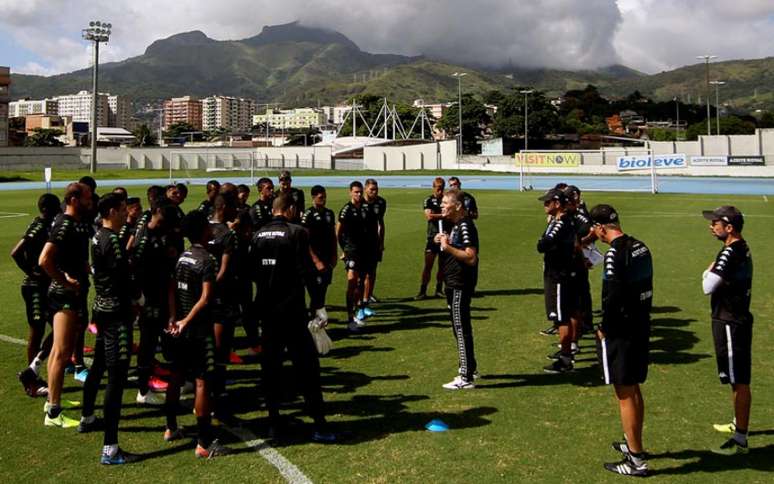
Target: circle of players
[{"x": 252, "y": 265}]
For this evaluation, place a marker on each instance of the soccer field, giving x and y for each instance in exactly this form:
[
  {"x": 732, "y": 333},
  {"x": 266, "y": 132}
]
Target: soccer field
[{"x": 520, "y": 424}]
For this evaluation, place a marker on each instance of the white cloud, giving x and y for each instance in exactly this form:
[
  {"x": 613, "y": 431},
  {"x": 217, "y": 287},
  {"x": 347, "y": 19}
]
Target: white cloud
[{"x": 646, "y": 34}]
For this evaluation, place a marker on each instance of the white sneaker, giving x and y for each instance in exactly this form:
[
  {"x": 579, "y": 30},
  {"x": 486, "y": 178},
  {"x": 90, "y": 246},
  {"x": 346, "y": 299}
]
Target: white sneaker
[
  {"x": 459, "y": 383},
  {"x": 359, "y": 322},
  {"x": 150, "y": 398}
]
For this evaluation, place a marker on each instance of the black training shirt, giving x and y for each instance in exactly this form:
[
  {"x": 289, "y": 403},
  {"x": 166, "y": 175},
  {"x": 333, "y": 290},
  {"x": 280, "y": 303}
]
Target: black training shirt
[
  {"x": 627, "y": 288},
  {"x": 195, "y": 267},
  {"x": 260, "y": 213},
  {"x": 35, "y": 239},
  {"x": 731, "y": 301},
  {"x": 321, "y": 224},
  {"x": 71, "y": 239},
  {"x": 433, "y": 204},
  {"x": 353, "y": 232},
  {"x": 111, "y": 272},
  {"x": 153, "y": 259},
  {"x": 225, "y": 241},
  {"x": 558, "y": 248},
  {"x": 280, "y": 259},
  {"x": 457, "y": 274}
]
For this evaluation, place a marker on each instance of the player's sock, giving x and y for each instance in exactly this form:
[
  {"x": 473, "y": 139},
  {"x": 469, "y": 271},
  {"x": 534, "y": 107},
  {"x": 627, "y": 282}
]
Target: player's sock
[
  {"x": 88, "y": 420},
  {"x": 54, "y": 410},
  {"x": 35, "y": 365},
  {"x": 740, "y": 435},
  {"x": 638, "y": 458},
  {"x": 110, "y": 450}
]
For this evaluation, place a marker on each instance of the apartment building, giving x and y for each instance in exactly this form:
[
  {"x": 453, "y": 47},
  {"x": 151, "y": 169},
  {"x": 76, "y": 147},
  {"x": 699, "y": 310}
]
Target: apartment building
[
  {"x": 26, "y": 107},
  {"x": 230, "y": 113},
  {"x": 185, "y": 109},
  {"x": 291, "y": 118}
]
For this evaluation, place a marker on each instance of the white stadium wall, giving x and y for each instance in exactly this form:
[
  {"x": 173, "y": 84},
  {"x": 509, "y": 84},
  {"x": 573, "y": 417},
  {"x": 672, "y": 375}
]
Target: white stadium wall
[{"x": 427, "y": 156}]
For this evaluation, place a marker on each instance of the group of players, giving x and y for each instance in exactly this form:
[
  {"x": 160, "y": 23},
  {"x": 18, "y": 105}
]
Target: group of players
[
  {"x": 622, "y": 336},
  {"x": 247, "y": 264}
]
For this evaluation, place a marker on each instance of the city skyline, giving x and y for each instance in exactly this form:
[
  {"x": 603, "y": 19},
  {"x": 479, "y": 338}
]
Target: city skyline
[{"x": 648, "y": 35}]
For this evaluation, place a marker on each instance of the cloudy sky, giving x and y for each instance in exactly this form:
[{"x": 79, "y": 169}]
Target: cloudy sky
[{"x": 43, "y": 36}]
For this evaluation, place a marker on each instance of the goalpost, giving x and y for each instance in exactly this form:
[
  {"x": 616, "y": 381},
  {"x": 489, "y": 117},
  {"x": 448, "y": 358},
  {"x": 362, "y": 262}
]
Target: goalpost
[{"x": 559, "y": 162}]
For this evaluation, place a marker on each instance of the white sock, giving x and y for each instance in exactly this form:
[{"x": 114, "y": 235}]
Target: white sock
[
  {"x": 35, "y": 365},
  {"x": 110, "y": 450},
  {"x": 88, "y": 420}
]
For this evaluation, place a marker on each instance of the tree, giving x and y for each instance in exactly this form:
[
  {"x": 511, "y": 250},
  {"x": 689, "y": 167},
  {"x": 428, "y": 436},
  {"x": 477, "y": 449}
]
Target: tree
[
  {"x": 474, "y": 122},
  {"x": 729, "y": 125},
  {"x": 767, "y": 120},
  {"x": 144, "y": 136},
  {"x": 44, "y": 137},
  {"x": 541, "y": 116},
  {"x": 176, "y": 130}
]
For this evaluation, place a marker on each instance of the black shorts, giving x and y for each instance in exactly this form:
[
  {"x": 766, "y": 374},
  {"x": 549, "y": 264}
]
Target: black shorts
[
  {"x": 61, "y": 300},
  {"x": 432, "y": 247},
  {"x": 114, "y": 331},
  {"x": 193, "y": 356},
  {"x": 624, "y": 361},
  {"x": 225, "y": 312},
  {"x": 561, "y": 300},
  {"x": 357, "y": 262},
  {"x": 733, "y": 351},
  {"x": 36, "y": 303}
]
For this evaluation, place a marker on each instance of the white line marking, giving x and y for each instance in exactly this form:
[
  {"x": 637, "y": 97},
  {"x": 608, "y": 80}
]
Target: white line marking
[
  {"x": 287, "y": 469},
  {"x": 12, "y": 214},
  {"x": 766, "y": 199},
  {"x": 9, "y": 339}
]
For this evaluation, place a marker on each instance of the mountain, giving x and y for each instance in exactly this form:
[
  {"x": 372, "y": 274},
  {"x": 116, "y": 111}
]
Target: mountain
[{"x": 299, "y": 65}]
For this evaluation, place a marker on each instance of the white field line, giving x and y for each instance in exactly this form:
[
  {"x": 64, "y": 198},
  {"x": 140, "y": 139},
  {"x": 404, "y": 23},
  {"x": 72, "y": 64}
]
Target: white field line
[
  {"x": 12, "y": 214},
  {"x": 766, "y": 199},
  {"x": 287, "y": 469}
]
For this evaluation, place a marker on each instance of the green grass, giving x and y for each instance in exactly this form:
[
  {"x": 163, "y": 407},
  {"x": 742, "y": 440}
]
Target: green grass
[{"x": 519, "y": 425}]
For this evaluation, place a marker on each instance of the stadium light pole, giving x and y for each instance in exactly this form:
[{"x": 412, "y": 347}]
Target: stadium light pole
[
  {"x": 96, "y": 32},
  {"x": 707, "y": 58},
  {"x": 526, "y": 93},
  {"x": 459, "y": 76},
  {"x": 717, "y": 85}
]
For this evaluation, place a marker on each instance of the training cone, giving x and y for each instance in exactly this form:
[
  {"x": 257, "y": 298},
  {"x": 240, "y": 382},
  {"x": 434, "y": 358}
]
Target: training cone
[{"x": 436, "y": 425}]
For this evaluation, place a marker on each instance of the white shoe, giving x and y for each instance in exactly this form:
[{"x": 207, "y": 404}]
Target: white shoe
[
  {"x": 151, "y": 398},
  {"x": 459, "y": 383},
  {"x": 359, "y": 322},
  {"x": 476, "y": 374}
]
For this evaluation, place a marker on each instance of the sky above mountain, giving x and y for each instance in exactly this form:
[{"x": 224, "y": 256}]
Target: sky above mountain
[{"x": 44, "y": 36}]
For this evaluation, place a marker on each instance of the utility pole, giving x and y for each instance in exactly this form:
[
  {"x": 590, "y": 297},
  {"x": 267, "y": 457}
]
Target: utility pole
[
  {"x": 459, "y": 76},
  {"x": 717, "y": 85},
  {"x": 96, "y": 32},
  {"x": 526, "y": 93},
  {"x": 707, "y": 58}
]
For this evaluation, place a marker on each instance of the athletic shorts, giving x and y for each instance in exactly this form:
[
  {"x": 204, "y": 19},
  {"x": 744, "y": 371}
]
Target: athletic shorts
[
  {"x": 154, "y": 316},
  {"x": 60, "y": 300},
  {"x": 561, "y": 300},
  {"x": 356, "y": 261},
  {"x": 432, "y": 247},
  {"x": 115, "y": 332},
  {"x": 733, "y": 351},
  {"x": 36, "y": 303},
  {"x": 193, "y": 356},
  {"x": 225, "y": 312},
  {"x": 624, "y": 361}
]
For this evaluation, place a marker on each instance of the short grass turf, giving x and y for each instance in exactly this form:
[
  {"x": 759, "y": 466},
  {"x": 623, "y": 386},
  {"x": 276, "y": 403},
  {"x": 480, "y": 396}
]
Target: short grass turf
[{"x": 383, "y": 386}]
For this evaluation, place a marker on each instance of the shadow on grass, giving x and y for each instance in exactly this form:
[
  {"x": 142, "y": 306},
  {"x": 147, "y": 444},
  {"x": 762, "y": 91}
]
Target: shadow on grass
[
  {"x": 586, "y": 377},
  {"x": 704, "y": 461},
  {"x": 669, "y": 344},
  {"x": 526, "y": 291}
]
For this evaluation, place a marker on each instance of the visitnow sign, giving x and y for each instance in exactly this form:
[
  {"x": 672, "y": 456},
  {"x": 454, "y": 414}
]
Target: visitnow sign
[
  {"x": 644, "y": 162},
  {"x": 549, "y": 159},
  {"x": 709, "y": 160}
]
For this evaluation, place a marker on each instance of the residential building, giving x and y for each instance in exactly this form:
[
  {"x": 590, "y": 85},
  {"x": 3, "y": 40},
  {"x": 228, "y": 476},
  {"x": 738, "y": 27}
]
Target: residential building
[
  {"x": 5, "y": 94},
  {"x": 185, "y": 109},
  {"x": 24, "y": 107},
  {"x": 78, "y": 107},
  {"x": 291, "y": 118},
  {"x": 230, "y": 113},
  {"x": 435, "y": 110},
  {"x": 119, "y": 111},
  {"x": 45, "y": 121}
]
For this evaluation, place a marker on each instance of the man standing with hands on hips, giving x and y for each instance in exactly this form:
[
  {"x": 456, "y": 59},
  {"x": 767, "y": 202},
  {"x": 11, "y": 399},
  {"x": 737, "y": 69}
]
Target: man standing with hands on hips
[{"x": 459, "y": 260}]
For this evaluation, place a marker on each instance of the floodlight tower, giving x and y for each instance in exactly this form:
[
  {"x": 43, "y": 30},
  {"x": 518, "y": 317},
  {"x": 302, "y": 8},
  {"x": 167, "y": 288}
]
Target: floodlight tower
[
  {"x": 97, "y": 32},
  {"x": 707, "y": 58},
  {"x": 459, "y": 76},
  {"x": 717, "y": 85}
]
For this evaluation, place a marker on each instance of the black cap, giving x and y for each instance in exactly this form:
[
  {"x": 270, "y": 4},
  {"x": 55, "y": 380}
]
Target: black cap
[
  {"x": 554, "y": 194},
  {"x": 572, "y": 192},
  {"x": 604, "y": 214},
  {"x": 728, "y": 214},
  {"x": 284, "y": 175}
]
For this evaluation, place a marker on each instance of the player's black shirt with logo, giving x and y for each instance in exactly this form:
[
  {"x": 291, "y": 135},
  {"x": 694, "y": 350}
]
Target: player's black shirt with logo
[
  {"x": 731, "y": 301},
  {"x": 433, "y": 204},
  {"x": 558, "y": 248},
  {"x": 35, "y": 237},
  {"x": 195, "y": 267},
  {"x": 457, "y": 274},
  {"x": 71, "y": 239},
  {"x": 110, "y": 264},
  {"x": 354, "y": 231},
  {"x": 321, "y": 224},
  {"x": 627, "y": 288}
]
